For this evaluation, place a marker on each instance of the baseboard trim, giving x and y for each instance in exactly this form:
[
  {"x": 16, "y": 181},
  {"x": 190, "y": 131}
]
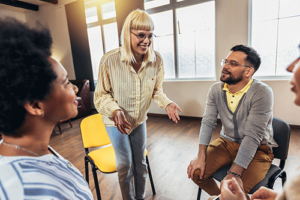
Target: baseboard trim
[
  {"x": 295, "y": 126},
  {"x": 200, "y": 118}
]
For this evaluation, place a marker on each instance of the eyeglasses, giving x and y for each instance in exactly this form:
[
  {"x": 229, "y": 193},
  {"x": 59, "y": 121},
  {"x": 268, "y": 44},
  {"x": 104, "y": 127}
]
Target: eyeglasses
[
  {"x": 231, "y": 63},
  {"x": 142, "y": 36}
]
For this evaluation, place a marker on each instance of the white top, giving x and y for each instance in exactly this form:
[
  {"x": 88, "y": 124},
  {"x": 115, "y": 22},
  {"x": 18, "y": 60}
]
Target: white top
[{"x": 45, "y": 177}]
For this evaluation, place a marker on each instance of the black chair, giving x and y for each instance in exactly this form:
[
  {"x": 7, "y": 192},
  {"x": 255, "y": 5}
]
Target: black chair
[{"x": 282, "y": 133}]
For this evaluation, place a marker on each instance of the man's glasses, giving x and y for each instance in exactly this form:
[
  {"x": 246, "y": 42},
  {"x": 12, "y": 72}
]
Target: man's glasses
[
  {"x": 231, "y": 63},
  {"x": 142, "y": 36}
]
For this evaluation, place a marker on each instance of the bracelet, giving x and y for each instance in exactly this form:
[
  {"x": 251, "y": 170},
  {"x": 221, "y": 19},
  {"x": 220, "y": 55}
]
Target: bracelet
[{"x": 235, "y": 174}]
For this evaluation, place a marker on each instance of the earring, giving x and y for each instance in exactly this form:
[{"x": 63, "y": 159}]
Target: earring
[
  {"x": 76, "y": 90},
  {"x": 42, "y": 115}
]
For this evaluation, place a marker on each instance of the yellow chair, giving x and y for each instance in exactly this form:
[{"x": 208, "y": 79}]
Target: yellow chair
[{"x": 94, "y": 134}]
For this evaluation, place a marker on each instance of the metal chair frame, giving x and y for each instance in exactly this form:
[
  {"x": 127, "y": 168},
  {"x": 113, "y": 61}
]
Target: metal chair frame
[
  {"x": 277, "y": 172},
  {"x": 88, "y": 159}
]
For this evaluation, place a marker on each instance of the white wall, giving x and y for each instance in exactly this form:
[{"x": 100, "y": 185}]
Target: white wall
[
  {"x": 231, "y": 29},
  {"x": 54, "y": 16},
  {"x": 8, "y": 11}
]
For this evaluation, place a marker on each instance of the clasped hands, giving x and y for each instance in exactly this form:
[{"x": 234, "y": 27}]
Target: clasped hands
[
  {"x": 231, "y": 190},
  {"x": 122, "y": 124}
]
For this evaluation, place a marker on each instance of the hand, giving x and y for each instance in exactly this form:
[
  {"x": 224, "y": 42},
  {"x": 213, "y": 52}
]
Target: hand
[
  {"x": 196, "y": 163},
  {"x": 264, "y": 193},
  {"x": 237, "y": 179},
  {"x": 121, "y": 122},
  {"x": 172, "y": 113},
  {"x": 231, "y": 190}
]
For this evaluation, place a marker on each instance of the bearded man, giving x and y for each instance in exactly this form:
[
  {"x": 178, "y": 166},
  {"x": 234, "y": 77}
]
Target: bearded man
[{"x": 245, "y": 107}]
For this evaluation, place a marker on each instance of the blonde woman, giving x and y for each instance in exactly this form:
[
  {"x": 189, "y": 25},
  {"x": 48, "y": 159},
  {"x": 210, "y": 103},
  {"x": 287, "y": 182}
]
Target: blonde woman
[{"x": 129, "y": 77}]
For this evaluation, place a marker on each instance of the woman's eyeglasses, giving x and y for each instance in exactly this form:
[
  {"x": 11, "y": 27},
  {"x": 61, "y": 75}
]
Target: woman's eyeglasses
[{"x": 142, "y": 36}]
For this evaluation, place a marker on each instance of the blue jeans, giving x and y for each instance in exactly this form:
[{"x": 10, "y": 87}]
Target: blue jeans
[{"x": 130, "y": 160}]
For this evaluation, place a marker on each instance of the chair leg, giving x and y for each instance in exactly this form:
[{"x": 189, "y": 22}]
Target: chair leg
[
  {"x": 199, "y": 193},
  {"x": 70, "y": 123},
  {"x": 150, "y": 176},
  {"x": 283, "y": 177},
  {"x": 86, "y": 162},
  {"x": 59, "y": 127},
  {"x": 97, "y": 187}
]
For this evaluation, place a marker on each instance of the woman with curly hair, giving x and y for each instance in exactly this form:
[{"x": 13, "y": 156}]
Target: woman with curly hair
[
  {"x": 35, "y": 94},
  {"x": 129, "y": 78}
]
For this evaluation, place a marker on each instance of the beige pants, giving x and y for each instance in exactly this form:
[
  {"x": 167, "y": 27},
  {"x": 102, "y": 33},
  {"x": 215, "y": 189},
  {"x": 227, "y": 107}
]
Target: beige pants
[{"x": 221, "y": 153}]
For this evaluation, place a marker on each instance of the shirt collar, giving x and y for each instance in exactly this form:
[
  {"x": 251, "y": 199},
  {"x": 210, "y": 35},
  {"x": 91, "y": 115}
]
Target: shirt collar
[{"x": 244, "y": 90}]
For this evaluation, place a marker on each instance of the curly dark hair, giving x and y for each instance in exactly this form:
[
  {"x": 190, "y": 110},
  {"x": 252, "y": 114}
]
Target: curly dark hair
[
  {"x": 252, "y": 56},
  {"x": 25, "y": 72}
]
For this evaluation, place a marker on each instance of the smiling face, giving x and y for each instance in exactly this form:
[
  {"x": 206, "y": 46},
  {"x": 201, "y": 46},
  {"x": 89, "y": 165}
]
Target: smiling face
[
  {"x": 234, "y": 74},
  {"x": 61, "y": 103},
  {"x": 295, "y": 81},
  {"x": 138, "y": 47}
]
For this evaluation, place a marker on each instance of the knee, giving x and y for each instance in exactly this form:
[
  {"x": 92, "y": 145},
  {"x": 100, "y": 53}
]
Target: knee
[
  {"x": 141, "y": 169},
  {"x": 124, "y": 166},
  {"x": 196, "y": 177}
]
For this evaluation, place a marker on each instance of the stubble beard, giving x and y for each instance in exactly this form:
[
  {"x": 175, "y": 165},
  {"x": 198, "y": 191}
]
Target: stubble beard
[{"x": 231, "y": 80}]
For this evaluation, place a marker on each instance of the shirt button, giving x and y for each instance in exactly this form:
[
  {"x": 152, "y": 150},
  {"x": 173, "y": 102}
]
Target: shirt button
[
  {"x": 69, "y": 165},
  {"x": 232, "y": 102},
  {"x": 232, "y": 95}
]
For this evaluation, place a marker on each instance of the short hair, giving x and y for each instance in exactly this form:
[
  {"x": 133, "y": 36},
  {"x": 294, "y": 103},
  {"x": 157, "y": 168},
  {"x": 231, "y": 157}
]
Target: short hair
[
  {"x": 252, "y": 56},
  {"x": 26, "y": 74},
  {"x": 138, "y": 20}
]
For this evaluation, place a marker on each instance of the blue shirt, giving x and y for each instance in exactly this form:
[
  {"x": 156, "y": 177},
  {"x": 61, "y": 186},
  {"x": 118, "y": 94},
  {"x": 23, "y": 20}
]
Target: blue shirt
[{"x": 45, "y": 177}]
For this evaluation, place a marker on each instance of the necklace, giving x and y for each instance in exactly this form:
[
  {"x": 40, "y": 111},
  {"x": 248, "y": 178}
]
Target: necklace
[{"x": 18, "y": 147}]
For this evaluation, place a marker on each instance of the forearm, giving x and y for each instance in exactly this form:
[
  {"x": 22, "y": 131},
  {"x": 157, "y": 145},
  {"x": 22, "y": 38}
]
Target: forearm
[
  {"x": 235, "y": 168},
  {"x": 202, "y": 151},
  {"x": 161, "y": 99},
  {"x": 205, "y": 133},
  {"x": 246, "y": 151},
  {"x": 159, "y": 96},
  {"x": 209, "y": 120},
  {"x": 105, "y": 104}
]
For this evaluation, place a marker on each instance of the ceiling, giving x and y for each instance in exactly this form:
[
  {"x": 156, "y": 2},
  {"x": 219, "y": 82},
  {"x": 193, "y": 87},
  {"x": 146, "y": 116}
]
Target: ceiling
[{"x": 33, "y": 5}]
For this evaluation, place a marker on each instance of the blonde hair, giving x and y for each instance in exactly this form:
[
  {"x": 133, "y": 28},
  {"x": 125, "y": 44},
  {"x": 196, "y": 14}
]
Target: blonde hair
[{"x": 138, "y": 20}]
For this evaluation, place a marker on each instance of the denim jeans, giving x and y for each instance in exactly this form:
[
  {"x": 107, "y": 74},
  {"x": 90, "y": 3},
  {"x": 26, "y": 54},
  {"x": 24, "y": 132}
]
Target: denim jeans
[{"x": 130, "y": 160}]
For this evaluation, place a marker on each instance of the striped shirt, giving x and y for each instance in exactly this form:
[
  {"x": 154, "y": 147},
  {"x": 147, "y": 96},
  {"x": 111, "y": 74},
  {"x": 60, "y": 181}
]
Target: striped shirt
[
  {"x": 120, "y": 87},
  {"x": 44, "y": 177}
]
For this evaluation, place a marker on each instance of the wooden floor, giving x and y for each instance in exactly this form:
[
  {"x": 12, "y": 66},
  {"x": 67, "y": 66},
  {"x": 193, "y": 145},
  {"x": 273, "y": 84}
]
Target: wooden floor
[{"x": 171, "y": 147}]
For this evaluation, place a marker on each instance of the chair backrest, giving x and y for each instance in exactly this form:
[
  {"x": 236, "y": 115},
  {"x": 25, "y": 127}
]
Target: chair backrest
[
  {"x": 93, "y": 132},
  {"x": 282, "y": 133}
]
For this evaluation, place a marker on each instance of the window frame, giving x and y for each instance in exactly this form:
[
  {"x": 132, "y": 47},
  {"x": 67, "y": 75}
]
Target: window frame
[
  {"x": 173, "y": 5},
  {"x": 100, "y": 21},
  {"x": 271, "y": 77}
]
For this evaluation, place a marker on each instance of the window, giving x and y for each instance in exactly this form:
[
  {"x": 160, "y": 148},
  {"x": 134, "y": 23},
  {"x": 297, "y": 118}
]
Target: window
[
  {"x": 185, "y": 37},
  {"x": 102, "y": 30},
  {"x": 274, "y": 34}
]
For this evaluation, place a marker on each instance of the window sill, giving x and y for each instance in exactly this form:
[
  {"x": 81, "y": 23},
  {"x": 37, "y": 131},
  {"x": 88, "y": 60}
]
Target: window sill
[
  {"x": 273, "y": 78},
  {"x": 190, "y": 79}
]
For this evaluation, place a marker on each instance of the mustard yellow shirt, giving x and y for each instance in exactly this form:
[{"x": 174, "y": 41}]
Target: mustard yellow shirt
[
  {"x": 234, "y": 99},
  {"x": 119, "y": 86}
]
